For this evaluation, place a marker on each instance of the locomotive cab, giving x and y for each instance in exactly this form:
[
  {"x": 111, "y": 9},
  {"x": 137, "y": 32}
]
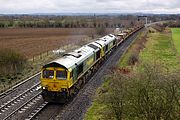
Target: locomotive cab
[
  {"x": 55, "y": 81},
  {"x": 55, "y": 78}
]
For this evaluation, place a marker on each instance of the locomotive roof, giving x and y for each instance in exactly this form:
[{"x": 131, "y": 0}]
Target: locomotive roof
[
  {"x": 70, "y": 60},
  {"x": 65, "y": 62},
  {"x": 108, "y": 38}
]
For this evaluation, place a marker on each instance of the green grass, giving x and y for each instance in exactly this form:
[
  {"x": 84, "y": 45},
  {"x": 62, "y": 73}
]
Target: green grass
[
  {"x": 95, "y": 111},
  {"x": 159, "y": 48},
  {"x": 176, "y": 38}
]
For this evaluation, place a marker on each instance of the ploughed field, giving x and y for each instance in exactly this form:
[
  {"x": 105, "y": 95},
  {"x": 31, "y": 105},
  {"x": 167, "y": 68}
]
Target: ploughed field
[{"x": 33, "y": 41}]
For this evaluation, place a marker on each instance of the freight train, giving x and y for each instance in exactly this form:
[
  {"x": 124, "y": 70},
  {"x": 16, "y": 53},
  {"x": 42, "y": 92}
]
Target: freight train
[{"x": 63, "y": 77}]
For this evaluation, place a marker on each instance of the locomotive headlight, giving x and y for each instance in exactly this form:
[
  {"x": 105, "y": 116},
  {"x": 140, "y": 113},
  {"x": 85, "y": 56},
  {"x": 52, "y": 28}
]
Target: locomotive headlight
[
  {"x": 43, "y": 88},
  {"x": 63, "y": 89}
]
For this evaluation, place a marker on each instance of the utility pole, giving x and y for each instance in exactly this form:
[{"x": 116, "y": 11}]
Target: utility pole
[{"x": 146, "y": 19}]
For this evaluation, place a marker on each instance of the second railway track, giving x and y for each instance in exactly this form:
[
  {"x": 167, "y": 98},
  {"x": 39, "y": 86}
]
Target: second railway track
[
  {"x": 19, "y": 89},
  {"x": 7, "y": 108}
]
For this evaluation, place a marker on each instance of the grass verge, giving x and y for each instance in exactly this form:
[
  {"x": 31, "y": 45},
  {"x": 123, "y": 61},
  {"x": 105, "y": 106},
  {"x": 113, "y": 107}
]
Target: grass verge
[
  {"x": 160, "y": 48},
  {"x": 176, "y": 38}
]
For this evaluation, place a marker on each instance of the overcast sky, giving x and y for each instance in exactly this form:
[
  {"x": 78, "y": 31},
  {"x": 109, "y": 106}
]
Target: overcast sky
[{"x": 89, "y": 6}]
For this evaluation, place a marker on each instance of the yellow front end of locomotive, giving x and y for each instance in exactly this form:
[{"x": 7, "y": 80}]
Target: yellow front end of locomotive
[{"x": 56, "y": 79}]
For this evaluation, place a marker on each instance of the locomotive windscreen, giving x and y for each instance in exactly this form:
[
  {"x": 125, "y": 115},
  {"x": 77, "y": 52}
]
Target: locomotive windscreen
[
  {"x": 48, "y": 74},
  {"x": 61, "y": 74}
]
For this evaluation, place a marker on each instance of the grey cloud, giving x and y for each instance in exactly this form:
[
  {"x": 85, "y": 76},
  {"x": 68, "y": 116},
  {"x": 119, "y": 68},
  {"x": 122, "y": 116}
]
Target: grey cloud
[{"x": 58, "y": 6}]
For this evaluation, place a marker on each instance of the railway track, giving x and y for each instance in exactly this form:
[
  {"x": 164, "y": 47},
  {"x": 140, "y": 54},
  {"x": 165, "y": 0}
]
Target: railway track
[
  {"x": 19, "y": 89},
  {"x": 10, "y": 107},
  {"x": 23, "y": 111},
  {"x": 20, "y": 109},
  {"x": 49, "y": 112},
  {"x": 35, "y": 112}
]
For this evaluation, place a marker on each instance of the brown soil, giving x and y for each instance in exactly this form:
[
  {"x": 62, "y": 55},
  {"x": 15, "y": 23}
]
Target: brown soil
[{"x": 33, "y": 41}]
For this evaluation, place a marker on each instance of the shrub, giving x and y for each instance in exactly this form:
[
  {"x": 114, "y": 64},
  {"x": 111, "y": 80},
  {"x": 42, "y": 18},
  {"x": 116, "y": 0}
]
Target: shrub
[
  {"x": 150, "y": 94},
  {"x": 11, "y": 62},
  {"x": 133, "y": 59}
]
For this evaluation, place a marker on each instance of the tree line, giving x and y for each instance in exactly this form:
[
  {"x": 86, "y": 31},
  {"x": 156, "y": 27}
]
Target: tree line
[
  {"x": 173, "y": 23},
  {"x": 66, "y": 21},
  {"x": 55, "y": 24}
]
